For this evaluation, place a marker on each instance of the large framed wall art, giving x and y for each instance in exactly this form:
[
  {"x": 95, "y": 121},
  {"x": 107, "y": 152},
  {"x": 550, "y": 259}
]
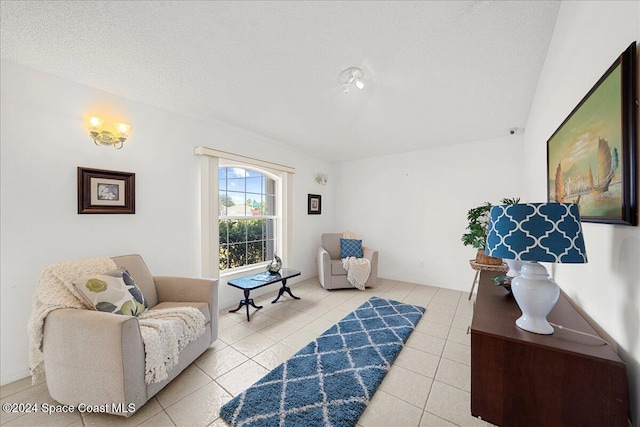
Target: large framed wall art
[
  {"x": 592, "y": 156},
  {"x": 106, "y": 192}
]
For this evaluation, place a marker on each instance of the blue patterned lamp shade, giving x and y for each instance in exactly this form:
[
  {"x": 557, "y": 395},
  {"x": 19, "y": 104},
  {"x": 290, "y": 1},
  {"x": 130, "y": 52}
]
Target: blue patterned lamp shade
[{"x": 544, "y": 232}]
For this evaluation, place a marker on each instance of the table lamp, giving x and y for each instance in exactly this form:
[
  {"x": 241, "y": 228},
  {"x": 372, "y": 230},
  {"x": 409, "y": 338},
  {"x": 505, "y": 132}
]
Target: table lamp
[{"x": 536, "y": 232}]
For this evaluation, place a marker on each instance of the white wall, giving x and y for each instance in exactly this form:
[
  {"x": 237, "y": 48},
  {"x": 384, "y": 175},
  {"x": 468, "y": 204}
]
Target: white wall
[
  {"x": 43, "y": 141},
  {"x": 412, "y": 207},
  {"x": 588, "y": 37}
]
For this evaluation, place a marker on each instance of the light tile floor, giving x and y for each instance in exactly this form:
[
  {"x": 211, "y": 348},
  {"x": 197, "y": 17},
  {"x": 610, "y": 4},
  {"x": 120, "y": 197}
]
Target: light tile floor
[{"x": 428, "y": 385}]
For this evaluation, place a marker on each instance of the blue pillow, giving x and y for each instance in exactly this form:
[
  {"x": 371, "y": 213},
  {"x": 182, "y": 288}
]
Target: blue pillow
[{"x": 350, "y": 247}]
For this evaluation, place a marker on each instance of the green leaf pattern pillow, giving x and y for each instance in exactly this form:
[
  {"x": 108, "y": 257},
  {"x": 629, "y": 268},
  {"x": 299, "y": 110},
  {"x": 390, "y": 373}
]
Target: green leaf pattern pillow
[{"x": 113, "y": 292}]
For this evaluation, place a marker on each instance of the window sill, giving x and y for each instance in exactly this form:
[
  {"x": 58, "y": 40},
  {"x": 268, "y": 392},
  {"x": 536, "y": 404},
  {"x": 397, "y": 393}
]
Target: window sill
[{"x": 255, "y": 268}]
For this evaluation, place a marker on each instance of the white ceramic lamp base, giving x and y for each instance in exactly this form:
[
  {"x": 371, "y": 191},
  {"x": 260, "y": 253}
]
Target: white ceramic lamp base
[
  {"x": 536, "y": 294},
  {"x": 514, "y": 267}
]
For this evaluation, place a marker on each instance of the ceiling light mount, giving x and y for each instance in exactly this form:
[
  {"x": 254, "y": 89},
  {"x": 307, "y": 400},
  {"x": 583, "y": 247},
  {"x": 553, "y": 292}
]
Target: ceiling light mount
[
  {"x": 349, "y": 77},
  {"x": 321, "y": 178}
]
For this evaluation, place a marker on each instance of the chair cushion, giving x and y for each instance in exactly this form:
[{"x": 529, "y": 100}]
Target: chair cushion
[
  {"x": 337, "y": 269},
  {"x": 331, "y": 243},
  {"x": 112, "y": 292},
  {"x": 202, "y": 306},
  {"x": 138, "y": 269},
  {"x": 350, "y": 247}
]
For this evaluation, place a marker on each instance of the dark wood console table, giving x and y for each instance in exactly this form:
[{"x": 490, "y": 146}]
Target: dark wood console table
[{"x": 519, "y": 378}]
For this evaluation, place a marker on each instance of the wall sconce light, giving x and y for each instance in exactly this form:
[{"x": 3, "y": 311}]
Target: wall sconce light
[
  {"x": 101, "y": 136},
  {"x": 351, "y": 76},
  {"x": 321, "y": 179}
]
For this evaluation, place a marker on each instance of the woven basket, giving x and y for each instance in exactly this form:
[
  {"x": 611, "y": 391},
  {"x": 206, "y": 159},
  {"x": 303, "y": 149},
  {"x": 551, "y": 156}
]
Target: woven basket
[{"x": 481, "y": 258}]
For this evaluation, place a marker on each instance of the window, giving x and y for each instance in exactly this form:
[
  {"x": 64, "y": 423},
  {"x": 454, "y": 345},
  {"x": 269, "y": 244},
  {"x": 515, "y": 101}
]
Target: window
[
  {"x": 241, "y": 235},
  {"x": 248, "y": 217}
]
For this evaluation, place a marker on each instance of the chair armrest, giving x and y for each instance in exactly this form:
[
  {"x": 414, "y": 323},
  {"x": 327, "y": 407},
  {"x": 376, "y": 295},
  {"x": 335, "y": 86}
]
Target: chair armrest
[
  {"x": 324, "y": 266},
  {"x": 92, "y": 354},
  {"x": 369, "y": 253},
  {"x": 372, "y": 256},
  {"x": 186, "y": 289}
]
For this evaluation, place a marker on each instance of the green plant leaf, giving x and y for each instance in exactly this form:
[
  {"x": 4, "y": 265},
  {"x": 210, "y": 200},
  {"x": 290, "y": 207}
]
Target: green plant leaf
[{"x": 507, "y": 201}]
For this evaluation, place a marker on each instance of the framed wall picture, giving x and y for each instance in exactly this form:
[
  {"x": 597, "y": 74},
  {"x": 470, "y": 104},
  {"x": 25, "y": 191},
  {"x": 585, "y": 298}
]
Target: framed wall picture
[
  {"x": 592, "y": 156},
  {"x": 314, "y": 204},
  {"x": 106, "y": 192}
]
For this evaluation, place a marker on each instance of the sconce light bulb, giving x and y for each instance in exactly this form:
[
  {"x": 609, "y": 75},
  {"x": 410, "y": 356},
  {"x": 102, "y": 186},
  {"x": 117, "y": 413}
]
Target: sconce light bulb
[
  {"x": 95, "y": 122},
  {"x": 359, "y": 84},
  {"x": 123, "y": 128}
]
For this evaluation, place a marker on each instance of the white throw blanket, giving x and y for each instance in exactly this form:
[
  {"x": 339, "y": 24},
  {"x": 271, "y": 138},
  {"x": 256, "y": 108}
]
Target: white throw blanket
[
  {"x": 358, "y": 270},
  {"x": 348, "y": 235},
  {"x": 55, "y": 290},
  {"x": 165, "y": 332}
]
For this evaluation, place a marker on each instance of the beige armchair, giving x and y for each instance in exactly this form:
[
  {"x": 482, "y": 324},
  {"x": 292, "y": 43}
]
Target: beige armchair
[
  {"x": 330, "y": 271},
  {"x": 97, "y": 358}
]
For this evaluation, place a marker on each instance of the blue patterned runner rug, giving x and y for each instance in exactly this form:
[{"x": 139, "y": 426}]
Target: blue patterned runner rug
[{"x": 330, "y": 381}]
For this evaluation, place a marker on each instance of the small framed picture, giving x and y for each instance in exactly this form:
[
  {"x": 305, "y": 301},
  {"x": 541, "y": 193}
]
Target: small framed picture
[
  {"x": 314, "y": 204},
  {"x": 106, "y": 192}
]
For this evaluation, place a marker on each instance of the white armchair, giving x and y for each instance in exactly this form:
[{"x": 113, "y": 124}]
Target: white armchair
[
  {"x": 98, "y": 358},
  {"x": 330, "y": 271}
]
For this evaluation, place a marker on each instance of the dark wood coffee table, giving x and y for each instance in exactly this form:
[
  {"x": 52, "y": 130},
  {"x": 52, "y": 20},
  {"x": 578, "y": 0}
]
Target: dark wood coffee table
[{"x": 255, "y": 281}]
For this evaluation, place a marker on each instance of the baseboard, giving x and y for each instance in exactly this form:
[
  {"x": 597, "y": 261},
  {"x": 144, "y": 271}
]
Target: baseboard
[
  {"x": 422, "y": 283},
  {"x": 14, "y": 376}
]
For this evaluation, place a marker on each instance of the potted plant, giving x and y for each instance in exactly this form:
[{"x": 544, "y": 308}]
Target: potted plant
[{"x": 476, "y": 236}]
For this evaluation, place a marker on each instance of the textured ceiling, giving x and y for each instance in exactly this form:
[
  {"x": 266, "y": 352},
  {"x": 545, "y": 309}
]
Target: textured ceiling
[{"x": 436, "y": 72}]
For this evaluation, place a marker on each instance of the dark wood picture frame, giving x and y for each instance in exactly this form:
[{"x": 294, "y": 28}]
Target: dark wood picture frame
[
  {"x": 106, "y": 192},
  {"x": 592, "y": 156},
  {"x": 314, "y": 204}
]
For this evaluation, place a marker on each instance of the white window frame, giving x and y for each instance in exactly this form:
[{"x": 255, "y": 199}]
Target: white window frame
[
  {"x": 211, "y": 161},
  {"x": 278, "y": 217}
]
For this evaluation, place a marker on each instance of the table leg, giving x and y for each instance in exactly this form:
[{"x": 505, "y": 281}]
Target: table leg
[
  {"x": 475, "y": 280},
  {"x": 284, "y": 289},
  {"x": 247, "y": 302}
]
